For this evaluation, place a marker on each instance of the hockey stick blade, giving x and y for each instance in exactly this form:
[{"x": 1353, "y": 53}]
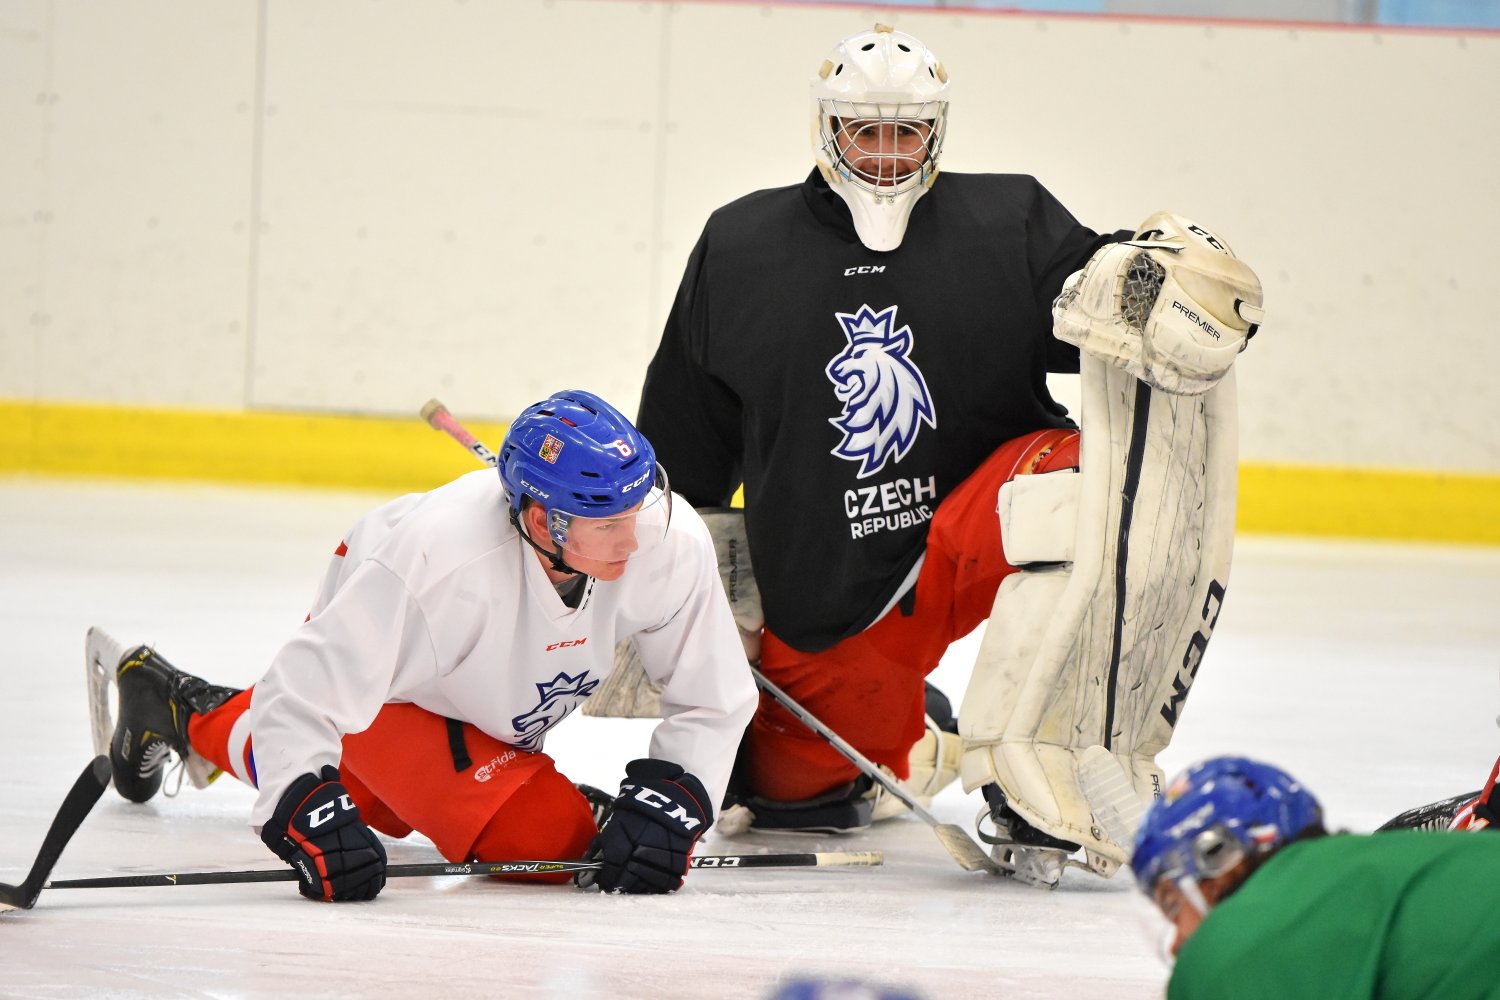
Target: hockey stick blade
[
  {"x": 955, "y": 840},
  {"x": 75, "y": 808},
  {"x": 827, "y": 859}
]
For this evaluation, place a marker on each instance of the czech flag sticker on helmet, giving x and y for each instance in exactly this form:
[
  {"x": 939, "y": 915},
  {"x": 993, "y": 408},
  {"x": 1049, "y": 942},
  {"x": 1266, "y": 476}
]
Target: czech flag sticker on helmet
[{"x": 551, "y": 448}]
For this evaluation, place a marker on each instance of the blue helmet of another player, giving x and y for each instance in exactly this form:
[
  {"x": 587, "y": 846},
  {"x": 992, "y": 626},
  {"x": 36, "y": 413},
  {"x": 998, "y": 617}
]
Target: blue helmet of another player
[
  {"x": 1217, "y": 813},
  {"x": 593, "y": 473},
  {"x": 815, "y": 988}
]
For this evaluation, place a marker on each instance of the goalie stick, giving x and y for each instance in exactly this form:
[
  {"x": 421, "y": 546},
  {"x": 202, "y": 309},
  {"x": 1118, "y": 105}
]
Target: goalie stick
[
  {"x": 75, "y": 808},
  {"x": 826, "y": 859},
  {"x": 963, "y": 848}
]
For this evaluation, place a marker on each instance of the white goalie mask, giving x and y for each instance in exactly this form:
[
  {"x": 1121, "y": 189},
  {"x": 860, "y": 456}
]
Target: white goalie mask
[{"x": 880, "y": 111}]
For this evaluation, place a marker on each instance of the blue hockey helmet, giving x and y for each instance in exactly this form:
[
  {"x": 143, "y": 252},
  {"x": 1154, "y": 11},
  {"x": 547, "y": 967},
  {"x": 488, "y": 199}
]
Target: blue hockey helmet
[
  {"x": 583, "y": 462},
  {"x": 1216, "y": 813}
]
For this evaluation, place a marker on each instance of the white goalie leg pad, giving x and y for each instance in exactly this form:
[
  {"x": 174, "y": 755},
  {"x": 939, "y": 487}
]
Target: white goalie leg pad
[
  {"x": 627, "y": 693},
  {"x": 726, "y": 526},
  {"x": 1100, "y": 652}
]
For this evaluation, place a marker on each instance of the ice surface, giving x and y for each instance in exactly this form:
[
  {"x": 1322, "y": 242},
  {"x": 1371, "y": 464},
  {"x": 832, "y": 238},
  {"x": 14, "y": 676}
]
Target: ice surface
[{"x": 1370, "y": 671}]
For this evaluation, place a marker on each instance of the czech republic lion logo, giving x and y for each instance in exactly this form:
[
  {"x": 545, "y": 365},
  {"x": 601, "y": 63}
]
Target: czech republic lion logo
[{"x": 884, "y": 395}]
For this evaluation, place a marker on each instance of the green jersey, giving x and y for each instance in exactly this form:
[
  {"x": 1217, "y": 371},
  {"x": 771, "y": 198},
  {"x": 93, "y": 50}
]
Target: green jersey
[{"x": 1388, "y": 916}]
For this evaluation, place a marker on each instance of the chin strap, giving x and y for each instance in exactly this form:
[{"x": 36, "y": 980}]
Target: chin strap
[{"x": 555, "y": 558}]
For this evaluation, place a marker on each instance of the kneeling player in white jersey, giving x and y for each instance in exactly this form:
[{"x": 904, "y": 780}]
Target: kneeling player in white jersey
[{"x": 453, "y": 630}]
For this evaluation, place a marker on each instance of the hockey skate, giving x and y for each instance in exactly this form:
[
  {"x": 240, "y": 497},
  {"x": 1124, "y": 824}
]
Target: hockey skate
[{"x": 155, "y": 700}]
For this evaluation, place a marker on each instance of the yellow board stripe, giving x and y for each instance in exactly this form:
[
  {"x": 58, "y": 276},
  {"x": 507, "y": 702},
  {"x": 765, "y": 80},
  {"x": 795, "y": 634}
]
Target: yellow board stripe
[
  {"x": 1409, "y": 505},
  {"x": 396, "y": 454},
  {"x": 388, "y": 454}
]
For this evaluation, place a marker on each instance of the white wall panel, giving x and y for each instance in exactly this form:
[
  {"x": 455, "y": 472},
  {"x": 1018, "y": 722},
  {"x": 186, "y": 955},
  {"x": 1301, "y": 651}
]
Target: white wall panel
[
  {"x": 487, "y": 200},
  {"x": 148, "y": 166},
  {"x": 24, "y": 100},
  {"x": 738, "y": 111},
  {"x": 458, "y": 200},
  {"x": 1349, "y": 167}
]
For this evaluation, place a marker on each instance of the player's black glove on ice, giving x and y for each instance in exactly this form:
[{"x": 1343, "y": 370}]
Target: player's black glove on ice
[
  {"x": 659, "y": 815},
  {"x": 317, "y": 830}
]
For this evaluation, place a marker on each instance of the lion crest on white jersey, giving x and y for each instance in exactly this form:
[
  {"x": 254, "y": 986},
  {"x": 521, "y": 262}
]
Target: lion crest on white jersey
[
  {"x": 884, "y": 395},
  {"x": 557, "y": 698}
]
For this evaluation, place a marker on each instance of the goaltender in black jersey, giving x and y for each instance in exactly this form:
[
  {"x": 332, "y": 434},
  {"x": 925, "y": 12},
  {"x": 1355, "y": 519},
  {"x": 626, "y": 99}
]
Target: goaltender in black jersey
[
  {"x": 852, "y": 389},
  {"x": 867, "y": 353}
]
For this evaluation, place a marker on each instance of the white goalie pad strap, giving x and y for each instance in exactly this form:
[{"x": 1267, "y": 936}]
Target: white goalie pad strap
[
  {"x": 1101, "y": 653},
  {"x": 1037, "y": 514},
  {"x": 1174, "y": 307}
]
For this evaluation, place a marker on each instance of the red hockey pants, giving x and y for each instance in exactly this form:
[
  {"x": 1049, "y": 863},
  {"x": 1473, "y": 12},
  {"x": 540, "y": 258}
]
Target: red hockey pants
[{"x": 507, "y": 804}]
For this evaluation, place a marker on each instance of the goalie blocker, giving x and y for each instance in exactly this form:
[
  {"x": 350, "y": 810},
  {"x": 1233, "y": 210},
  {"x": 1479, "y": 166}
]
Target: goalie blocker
[{"x": 1093, "y": 646}]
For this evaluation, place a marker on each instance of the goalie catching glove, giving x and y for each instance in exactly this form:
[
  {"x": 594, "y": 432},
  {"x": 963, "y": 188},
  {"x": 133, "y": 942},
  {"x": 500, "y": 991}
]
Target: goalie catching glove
[
  {"x": 317, "y": 830},
  {"x": 645, "y": 847},
  {"x": 1174, "y": 306}
]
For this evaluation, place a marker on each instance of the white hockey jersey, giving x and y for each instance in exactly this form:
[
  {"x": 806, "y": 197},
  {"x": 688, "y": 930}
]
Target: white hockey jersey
[{"x": 438, "y": 601}]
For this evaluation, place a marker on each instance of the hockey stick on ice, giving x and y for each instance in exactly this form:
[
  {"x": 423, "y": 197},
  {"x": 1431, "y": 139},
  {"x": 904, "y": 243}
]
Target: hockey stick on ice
[
  {"x": 954, "y": 838},
  {"x": 829, "y": 859},
  {"x": 963, "y": 848},
  {"x": 75, "y": 808}
]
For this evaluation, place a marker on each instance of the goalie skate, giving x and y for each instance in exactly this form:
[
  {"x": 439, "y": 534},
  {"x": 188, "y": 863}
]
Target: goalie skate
[{"x": 1019, "y": 850}]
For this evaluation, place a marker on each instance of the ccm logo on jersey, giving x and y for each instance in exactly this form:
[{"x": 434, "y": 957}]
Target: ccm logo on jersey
[
  {"x": 656, "y": 800},
  {"x": 324, "y": 812},
  {"x": 566, "y": 643},
  {"x": 864, "y": 269}
]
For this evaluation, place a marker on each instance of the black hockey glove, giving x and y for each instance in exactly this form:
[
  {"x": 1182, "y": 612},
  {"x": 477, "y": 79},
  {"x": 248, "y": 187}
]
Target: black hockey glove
[
  {"x": 317, "y": 830},
  {"x": 659, "y": 815}
]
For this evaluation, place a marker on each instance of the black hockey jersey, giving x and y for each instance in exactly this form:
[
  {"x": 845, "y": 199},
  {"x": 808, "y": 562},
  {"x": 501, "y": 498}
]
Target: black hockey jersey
[{"x": 851, "y": 390}]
